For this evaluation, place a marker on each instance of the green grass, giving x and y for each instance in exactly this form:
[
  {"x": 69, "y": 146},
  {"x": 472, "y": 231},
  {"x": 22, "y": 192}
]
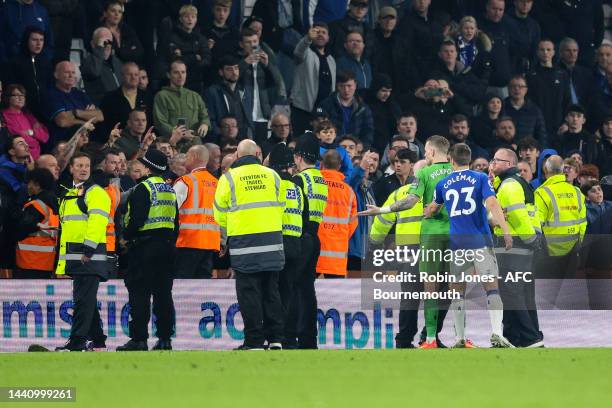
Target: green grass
[{"x": 324, "y": 378}]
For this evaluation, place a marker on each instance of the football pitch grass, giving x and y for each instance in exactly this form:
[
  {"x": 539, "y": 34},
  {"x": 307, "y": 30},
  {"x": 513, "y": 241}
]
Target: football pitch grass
[{"x": 324, "y": 378}]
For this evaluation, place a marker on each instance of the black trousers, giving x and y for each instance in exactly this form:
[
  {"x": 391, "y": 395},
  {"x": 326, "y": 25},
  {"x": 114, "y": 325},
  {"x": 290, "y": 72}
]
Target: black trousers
[
  {"x": 192, "y": 263},
  {"x": 520, "y": 320},
  {"x": 301, "y": 329},
  {"x": 86, "y": 322},
  {"x": 31, "y": 274},
  {"x": 260, "y": 301},
  {"x": 150, "y": 273}
]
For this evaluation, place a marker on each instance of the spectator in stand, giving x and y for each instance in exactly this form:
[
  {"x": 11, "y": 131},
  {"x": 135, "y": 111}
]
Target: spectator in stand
[
  {"x": 526, "y": 115},
  {"x": 402, "y": 165},
  {"x": 222, "y": 38},
  {"x": 460, "y": 78},
  {"x": 314, "y": 76},
  {"x": 483, "y": 125},
  {"x": 525, "y": 170},
  {"x": 505, "y": 132},
  {"x": 546, "y": 13},
  {"x": 20, "y": 121},
  {"x": 424, "y": 31},
  {"x": 571, "y": 169},
  {"x": 407, "y": 127},
  {"x": 30, "y": 69},
  {"x": 459, "y": 132},
  {"x": 228, "y": 128},
  {"x": 385, "y": 111},
  {"x": 132, "y": 141},
  {"x": 474, "y": 48},
  {"x": 143, "y": 80},
  {"x": 14, "y": 163},
  {"x": 126, "y": 44},
  {"x": 601, "y": 72},
  {"x": 176, "y": 105},
  {"x": 281, "y": 130},
  {"x": 353, "y": 60},
  {"x": 229, "y": 97},
  {"x": 502, "y": 31},
  {"x": 187, "y": 43},
  {"x": 118, "y": 104},
  {"x": 480, "y": 164},
  {"x": 101, "y": 69},
  {"x": 398, "y": 142},
  {"x": 604, "y": 148},
  {"x": 529, "y": 151},
  {"x": 66, "y": 106},
  {"x": 582, "y": 85},
  {"x": 349, "y": 143},
  {"x": 576, "y": 137},
  {"x": 62, "y": 16},
  {"x": 391, "y": 54},
  {"x": 262, "y": 82},
  {"x": 15, "y": 17},
  {"x": 529, "y": 34},
  {"x": 549, "y": 88},
  {"x": 348, "y": 111},
  {"x": 434, "y": 104},
  {"x": 583, "y": 21},
  {"x": 326, "y": 132},
  {"x": 354, "y": 20},
  {"x": 49, "y": 162}
]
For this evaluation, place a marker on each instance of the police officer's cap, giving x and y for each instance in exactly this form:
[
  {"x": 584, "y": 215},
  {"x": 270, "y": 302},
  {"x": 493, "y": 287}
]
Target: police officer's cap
[
  {"x": 308, "y": 147},
  {"x": 155, "y": 160},
  {"x": 281, "y": 157}
]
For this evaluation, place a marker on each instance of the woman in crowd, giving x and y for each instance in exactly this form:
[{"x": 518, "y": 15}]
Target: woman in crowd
[
  {"x": 126, "y": 44},
  {"x": 20, "y": 121},
  {"x": 483, "y": 125}
]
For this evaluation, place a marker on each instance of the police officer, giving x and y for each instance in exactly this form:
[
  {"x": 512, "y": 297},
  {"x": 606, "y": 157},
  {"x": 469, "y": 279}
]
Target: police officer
[
  {"x": 562, "y": 212},
  {"x": 281, "y": 160},
  {"x": 315, "y": 191},
  {"x": 150, "y": 228},
  {"x": 199, "y": 236},
  {"x": 516, "y": 198},
  {"x": 407, "y": 233},
  {"x": 249, "y": 206},
  {"x": 84, "y": 212}
]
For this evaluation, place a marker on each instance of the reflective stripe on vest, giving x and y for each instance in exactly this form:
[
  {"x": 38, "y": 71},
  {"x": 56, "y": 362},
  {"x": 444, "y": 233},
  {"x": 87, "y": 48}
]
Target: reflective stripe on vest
[
  {"x": 162, "y": 211},
  {"x": 316, "y": 192},
  {"x": 294, "y": 205},
  {"x": 37, "y": 250}
]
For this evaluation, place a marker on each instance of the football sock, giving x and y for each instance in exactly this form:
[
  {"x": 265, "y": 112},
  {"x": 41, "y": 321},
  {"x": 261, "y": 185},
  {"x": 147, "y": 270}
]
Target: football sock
[
  {"x": 458, "y": 308},
  {"x": 431, "y": 319},
  {"x": 496, "y": 311}
]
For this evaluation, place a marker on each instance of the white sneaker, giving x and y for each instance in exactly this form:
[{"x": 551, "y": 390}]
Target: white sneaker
[
  {"x": 537, "y": 344},
  {"x": 498, "y": 341},
  {"x": 275, "y": 346}
]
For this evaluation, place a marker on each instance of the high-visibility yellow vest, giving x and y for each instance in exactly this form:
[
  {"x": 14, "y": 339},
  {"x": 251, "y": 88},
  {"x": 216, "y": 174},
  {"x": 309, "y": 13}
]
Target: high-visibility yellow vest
[
  {"x": 562, "y": 211},
  {"x": 80, "y": 229},
  {"x": 162, "y": 212},
  {"x": 407, "y": 222},
  {"x": 294, "y": 206},
  {"x": 316, "y": 192},
  {"x": 521, "y": 216},
  {"x": 249, "y": 207}
]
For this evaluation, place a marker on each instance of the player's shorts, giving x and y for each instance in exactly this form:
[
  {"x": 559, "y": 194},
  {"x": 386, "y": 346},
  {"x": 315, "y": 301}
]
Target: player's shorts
[
  {"x": 433, "y": 251},
  {"x": 482, "y": 260}
]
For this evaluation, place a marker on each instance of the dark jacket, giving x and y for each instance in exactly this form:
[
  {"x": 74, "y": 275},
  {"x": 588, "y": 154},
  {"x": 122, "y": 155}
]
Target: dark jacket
[
  {"x": 546, "y": 13},
  {"x": 116, "y": 108},
  {"x": 385, "y": 115},
  {"x": 587, "y": 92},
  {"x": 270, "y": 85},
  {"x": 385, "y": 186},
  {"x": 549, "y": 89},
  {"x": 425, "y": 36},
  {"x": 29, "y": 217},
  {"x": 434, "y": 117},
  {"x": 13, "y": 194},
  {"x": 528, "y": 37},
  {"x": 528, "y": 120},
  {"x": 599, "y": 218},
  {"x": 15, "y": 17},
  {"x": 131, "y": 49},
  {"x": 191, "y": 46},
  {"x": 482, "y": 130},
  {"x": 584, "y": 22},
  {"x": 462, "y": 81},
  {"x": 361, "y": 69},
  {"x": 221, "y": 100},
  {"x": 584, "y": 142},
  {"x": 338, "y": 31},
  {"x": 502, "y": 35},
  {"x": 35, "y": 73},
  {"x": 394, "y": 57},
  {"x": 604, "y": 157},
  {"x": 226, "y": 40},
  {"x": 360, "y": 123},
  {"x": 100, "y": 76}
]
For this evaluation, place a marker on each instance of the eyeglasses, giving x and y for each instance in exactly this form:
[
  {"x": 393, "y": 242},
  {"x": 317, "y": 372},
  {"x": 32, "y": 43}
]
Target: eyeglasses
[
  {"x": 283, "y": 126},
  {"x": 495, "y": 160}
]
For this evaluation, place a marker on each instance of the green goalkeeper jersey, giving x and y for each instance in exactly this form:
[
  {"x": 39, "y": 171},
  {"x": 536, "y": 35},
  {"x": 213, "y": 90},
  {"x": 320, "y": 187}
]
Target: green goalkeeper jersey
[{"x": 424, "y": 186}]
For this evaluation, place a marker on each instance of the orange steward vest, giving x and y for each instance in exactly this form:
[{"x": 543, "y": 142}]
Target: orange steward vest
[
  {"x": 197, "y": 226},
  {"x": 339, "y": 224},
  {"x": 37, "y": 251},
  {"x": 111, "y": 237}
]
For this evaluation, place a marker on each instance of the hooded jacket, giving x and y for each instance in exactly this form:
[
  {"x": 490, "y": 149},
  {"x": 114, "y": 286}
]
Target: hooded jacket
[
  {"x": 539, "y": 179},
  {"x": 15, "y": 16}
]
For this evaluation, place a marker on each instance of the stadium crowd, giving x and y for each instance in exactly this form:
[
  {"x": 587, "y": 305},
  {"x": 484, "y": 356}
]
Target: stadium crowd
[{"x": 371, "y": 79}]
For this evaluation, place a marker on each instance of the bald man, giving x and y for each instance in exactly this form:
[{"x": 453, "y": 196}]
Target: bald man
[
  {"x": 249, "y": 208},
  {"x": 199, "y": 235},
  {"x": 66, "y": 107},
  {"x": 49, "y": 162}
]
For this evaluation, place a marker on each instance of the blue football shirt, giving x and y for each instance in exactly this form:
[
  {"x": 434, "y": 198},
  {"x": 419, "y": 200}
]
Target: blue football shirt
[{"x": 463, "y": 193}]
